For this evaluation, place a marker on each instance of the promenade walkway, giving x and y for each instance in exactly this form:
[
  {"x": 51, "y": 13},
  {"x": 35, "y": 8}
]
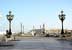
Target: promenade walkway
[{"x": 40, "y": 43}]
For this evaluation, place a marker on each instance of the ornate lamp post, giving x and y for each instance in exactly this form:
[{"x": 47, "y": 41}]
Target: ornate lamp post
[
  {"x": 62, "y": 18},
  {"x": 10, "y": 18}
]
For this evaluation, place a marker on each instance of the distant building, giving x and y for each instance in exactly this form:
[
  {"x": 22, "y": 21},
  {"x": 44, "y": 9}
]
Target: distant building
[
  {"x": 56, "y": 31},
  {"x": 43, "y": 32},
  {"x": 38, "y": 32}
]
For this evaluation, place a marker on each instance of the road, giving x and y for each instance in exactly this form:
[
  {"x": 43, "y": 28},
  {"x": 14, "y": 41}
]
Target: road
[{"x": 39, "y": 43}]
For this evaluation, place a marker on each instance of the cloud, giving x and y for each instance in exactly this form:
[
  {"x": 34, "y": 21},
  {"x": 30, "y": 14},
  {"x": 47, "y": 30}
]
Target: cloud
[{"x": 1, "y": 14}]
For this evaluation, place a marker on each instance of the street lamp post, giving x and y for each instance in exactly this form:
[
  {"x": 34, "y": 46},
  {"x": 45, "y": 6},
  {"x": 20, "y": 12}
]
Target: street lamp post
[
  {"x": 62, "y": 18},
  {"x": 10, "y": 18}
]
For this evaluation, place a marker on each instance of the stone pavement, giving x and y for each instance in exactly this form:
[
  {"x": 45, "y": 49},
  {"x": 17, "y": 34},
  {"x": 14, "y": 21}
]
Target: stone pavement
[{"x": 40, "y": 43}]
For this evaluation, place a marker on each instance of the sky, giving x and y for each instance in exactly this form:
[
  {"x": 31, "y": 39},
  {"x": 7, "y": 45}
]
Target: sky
[{"x": 35, "y": 13}]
